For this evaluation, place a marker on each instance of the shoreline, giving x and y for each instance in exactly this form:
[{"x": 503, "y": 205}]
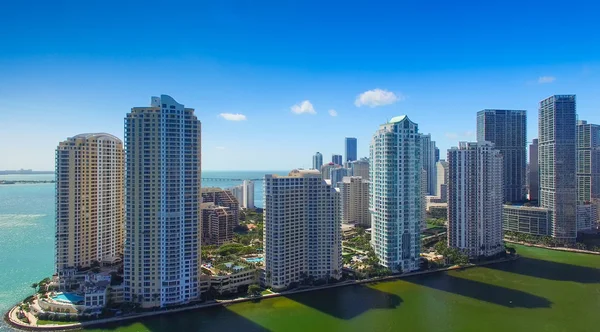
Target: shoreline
[
  {"x": 527, "y": 244},
  {"x": 13, "y": 321}
]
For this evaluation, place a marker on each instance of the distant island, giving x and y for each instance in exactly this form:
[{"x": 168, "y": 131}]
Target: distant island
[{"x": 24, "y": 171}]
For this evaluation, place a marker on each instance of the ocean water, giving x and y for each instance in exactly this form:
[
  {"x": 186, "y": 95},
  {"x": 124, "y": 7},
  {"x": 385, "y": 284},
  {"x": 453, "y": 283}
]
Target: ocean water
[{"x": 27, "y": 229}]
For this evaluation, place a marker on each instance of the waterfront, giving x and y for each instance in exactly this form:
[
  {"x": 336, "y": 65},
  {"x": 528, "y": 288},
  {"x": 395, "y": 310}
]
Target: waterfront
[{"x": 543, "y": 291}]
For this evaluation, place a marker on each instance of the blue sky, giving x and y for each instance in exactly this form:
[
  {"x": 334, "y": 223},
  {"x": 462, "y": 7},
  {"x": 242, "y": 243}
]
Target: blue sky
[{"x": 69, "y": 67}]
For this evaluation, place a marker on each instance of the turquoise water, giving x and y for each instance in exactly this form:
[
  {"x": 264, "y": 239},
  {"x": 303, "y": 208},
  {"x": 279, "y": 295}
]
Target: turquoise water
[
  {"x": 255, "y": 259},
  {"x": 27, "y": 230},
  {"x": 68, "y": 297}
]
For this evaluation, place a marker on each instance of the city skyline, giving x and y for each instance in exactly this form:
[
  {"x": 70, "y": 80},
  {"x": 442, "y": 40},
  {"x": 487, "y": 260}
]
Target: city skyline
[{"x": 247, "y": 82}]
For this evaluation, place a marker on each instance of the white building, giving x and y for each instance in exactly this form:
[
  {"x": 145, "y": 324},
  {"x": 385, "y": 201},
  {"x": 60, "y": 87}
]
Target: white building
[
  {"x": 302, "y": 229},
  {"x": 359, "y": 168},
  {"x": 355, "y": 201},
  {"x": 162, "y": 247},
  {"x": 395, "y": 194},
  {"x": 244, "y": 193},
  {"x": 475, "y": 199},
  {"x": 442, "y": 180}
]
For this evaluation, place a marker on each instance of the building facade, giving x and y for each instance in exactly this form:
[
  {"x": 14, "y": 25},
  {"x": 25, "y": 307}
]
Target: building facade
[
  {"x": 302, "y": 229},
  {"x": 428, "y": 162},
  {"x": 244, "y": 193},
  {"x": 337, "y": 174},
  {"x": 475, "y": 199},
  {"x": 217, "y": 224},
  {"x": 534, "y": 172},
  {"x": 225, "y": 198},
  {"x": 162, "y": 246},
  {"x": 395, "y": 194},
  {"x": 507, "y": 129},
  {"x": 557, "y": 155},
  {"x": 90, "y": 211},
  {"x": 337, "y": 159},
  {"x": 360, "y": 168},
  {"x": 442, "y": 180},
  {"x": 317, "y": 161},
  {"x": 326, "y": 170},
  {"x": 526, "y": 219},
  {"x": 350, "y": 147},
  {"x": 588, "y": 172},
  {"x": 354, "y": 192}
]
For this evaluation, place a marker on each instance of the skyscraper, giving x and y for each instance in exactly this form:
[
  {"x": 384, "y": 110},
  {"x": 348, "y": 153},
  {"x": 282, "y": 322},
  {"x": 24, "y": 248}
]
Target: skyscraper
[
  {"x": 225, "y": 198},
  {"x": 534, "y": 172},
  {"x": 351, "y": 149},
  {"x": 475, "y": 199},
  {"x": 217, "y": 224},
  {"x": 337, "y": 174},
  {"x": 302, "y": 229},
  {"x": 162, "y": 247},
  {"x": 507, "y": 129},
  {"x": 326, "y": 170},
  {"x": 437, "y": 154},
  {"x": 442, "y": 180},
  {"x": 244, "y": 193},
  {"x": 90, "y": 190},
  {"x": 317, "y": 161},
  {"x": 355, "y": 201},
  {"x": 360, "y": 168},
  {"x": 395, "y": 194},
  {"x": 557, "y": 152},
  {"x": 428, "y": 162},
  {"x": 588, "y": 174},
  {"x": 337, "y": 159}
]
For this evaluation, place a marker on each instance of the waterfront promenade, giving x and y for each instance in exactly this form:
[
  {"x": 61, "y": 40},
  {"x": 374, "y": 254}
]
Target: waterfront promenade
[{"x": 11, "y": 316}]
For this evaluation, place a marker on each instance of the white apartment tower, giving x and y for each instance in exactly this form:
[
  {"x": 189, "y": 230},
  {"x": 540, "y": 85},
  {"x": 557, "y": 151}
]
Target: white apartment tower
[
  {"x": 244, "y": 193},
  {"x": 302, "y": 229},
  {"x": 90, "y": 211},
  {"x": 475, "y": 199},
  {"x": 395, "y": 194},
  {"x": 442, "y": 180},
  {"x": 354, "y": 192},
  {"x": 162, "y": 247},
  {"x": 428, "y": 162}
]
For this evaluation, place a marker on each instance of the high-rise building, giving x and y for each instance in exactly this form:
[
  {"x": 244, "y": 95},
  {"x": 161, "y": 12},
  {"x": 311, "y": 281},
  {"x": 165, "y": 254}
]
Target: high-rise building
[
  {"x": 244, "y": 193},
  {"x": 428, "y": 162},
  {"x": 351, "y": 149},
  {"x": 395, "y": 194},
  {"x": 588, "y": 174},
  {"x": 475, "y": 199},
  {"x": 337, "y": 159},
  {"x": 90, "y": 207},
  {"x": 534, "y": 172},
  {"x": 224, "y": 198},
  {"x": 217, "y": 224},
  {"x": 337, "y": 174},
  {"x": 317, "y": 161},
  {"x": 302, "y": 229},
  {"x": 360, "y": 168},
  {"x": 507, "y": 129},
  {"x": 326, "y": 170},
  {"x": 437, "y": 154},
  {"x": 355, "y": 201},
  {"x": 162, "y": 246},
  {"x": 557, "y": 152},
  {"x": 441, "y": 189}
]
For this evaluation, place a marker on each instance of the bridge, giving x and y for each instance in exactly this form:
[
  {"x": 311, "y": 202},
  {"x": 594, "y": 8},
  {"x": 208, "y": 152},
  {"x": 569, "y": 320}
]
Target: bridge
[{"x": 230, "y": 179}]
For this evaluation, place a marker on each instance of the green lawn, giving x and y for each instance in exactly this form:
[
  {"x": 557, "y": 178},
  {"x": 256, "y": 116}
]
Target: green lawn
[{"x": 51, "y": 322}]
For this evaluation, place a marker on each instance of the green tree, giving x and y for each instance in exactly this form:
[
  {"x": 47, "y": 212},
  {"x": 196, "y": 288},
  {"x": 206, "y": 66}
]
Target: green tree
[{"x": 254, "y": 290}]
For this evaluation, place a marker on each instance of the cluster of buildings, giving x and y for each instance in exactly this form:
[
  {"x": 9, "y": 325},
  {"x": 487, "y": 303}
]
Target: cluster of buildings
[{"x": 140, "y": 204}]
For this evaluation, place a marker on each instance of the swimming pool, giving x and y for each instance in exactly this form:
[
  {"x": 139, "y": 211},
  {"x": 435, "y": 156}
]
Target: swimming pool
[
  {"x": 255, "y": 259},
  {"x": 68, "y": 298}
]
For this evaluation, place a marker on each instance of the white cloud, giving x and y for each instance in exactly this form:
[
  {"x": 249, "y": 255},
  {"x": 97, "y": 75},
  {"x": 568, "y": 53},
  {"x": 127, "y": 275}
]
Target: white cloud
[
  {"x": 220, "y": 147},
  {"x": 233, "y": 117},
  {"x": 304, "y": 107},
  {"x": 546, "y": 79},
  {"x": 332, "y": 112},
  {"x": 377, "y": 97}
]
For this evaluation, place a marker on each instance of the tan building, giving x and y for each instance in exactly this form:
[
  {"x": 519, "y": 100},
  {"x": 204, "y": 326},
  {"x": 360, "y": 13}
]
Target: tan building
[
  {"x": 89, "y": 201},
  {"x": 162, "y": 249},
  {"x": 225, "y": 198},
  {"x": 217, "y": 224},
  {"x": 355, "y": 201}
]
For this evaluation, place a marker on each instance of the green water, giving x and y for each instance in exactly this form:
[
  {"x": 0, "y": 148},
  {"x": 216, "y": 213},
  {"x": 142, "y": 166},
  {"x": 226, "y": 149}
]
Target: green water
[{"x": 543, "y": 291}]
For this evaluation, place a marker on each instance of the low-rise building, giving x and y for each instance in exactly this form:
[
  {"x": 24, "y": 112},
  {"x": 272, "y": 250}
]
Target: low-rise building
[
  {"x": 526, "y": 219},
  {"x": 587, "y": 216},
  {"x": 226, "y": 278}
]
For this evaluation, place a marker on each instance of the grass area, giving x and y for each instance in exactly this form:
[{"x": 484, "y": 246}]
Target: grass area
[
  {"x": 52, "y": 322},
  {"x": 266, "y": 292}
]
